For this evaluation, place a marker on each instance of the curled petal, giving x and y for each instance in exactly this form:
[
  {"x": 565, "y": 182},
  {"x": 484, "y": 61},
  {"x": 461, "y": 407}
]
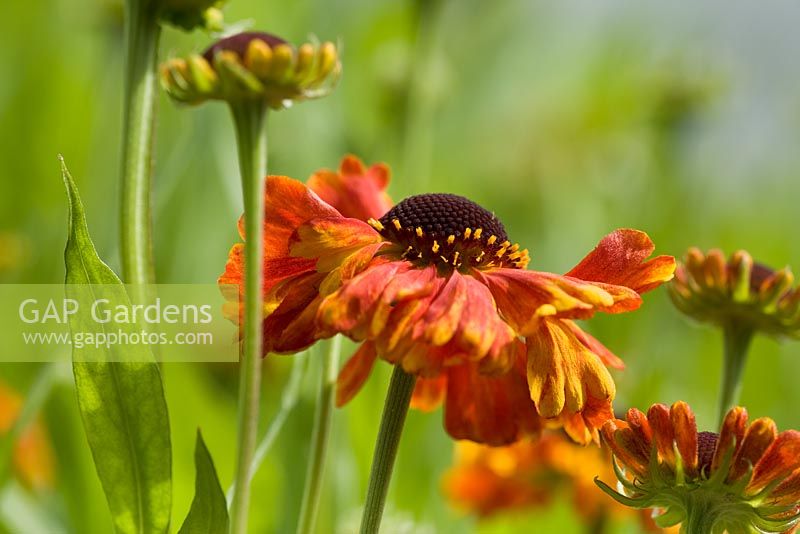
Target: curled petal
[
  {"x": 355, "y": 373},
  {"x": 685, "y": 428},
  {"x": 429, "y": 393},
  {"x": 662, "y": 431},
  {"x": 730, "y": 436},
  {"x": 624, "y": 445},
  {"x": 619, "y": 259},
  {"x": 562, "y": 372},
  {"x": 355, "y": 191},
  {"x": 758, "y": 437}
]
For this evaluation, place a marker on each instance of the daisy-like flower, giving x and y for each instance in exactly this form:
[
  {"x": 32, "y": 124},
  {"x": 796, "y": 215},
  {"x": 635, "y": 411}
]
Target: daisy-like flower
[
  {"x": 737, "y": 292},
  {"x": 434, "y": 285},
  {"x": 528, "y": 474},
  {"x": 253, "y": 66},
  {"x": 744, "y": 479},
  {"x": 32, "y": 453}
]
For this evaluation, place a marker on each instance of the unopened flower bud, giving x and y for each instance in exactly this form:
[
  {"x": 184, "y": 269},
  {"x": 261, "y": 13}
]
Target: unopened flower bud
[{"x": 253, "y": 66}]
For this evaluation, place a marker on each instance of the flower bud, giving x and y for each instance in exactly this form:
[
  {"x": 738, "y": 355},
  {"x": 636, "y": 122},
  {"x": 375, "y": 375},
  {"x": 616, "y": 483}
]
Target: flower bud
[
  {"x": 741, "y": 292},
  {"x": 253, "y": 66}
]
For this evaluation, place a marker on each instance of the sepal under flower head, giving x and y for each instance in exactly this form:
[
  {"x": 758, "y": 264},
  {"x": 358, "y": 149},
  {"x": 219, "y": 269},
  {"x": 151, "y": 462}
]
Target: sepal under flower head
[
  {"x": 253, "y": 66},
  {"x": 746, "y": 479},
  {"x": 737, "y": 292}
]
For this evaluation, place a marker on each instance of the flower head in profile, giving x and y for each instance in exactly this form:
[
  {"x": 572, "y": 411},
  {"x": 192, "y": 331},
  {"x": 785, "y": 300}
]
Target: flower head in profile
[
  {"x": 737, "y": 292},
  {"x": 32, "y": 454},
  {"x": 434, "y": 284},
  {"x": 744, "y": 479},
  {"x": 529, "y": 474},
  {"x": 253, "y": 66}
]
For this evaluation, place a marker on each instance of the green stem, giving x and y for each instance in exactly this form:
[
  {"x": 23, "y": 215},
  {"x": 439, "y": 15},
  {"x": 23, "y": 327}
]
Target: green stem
[
  {"x": 737, "y": 342},
  {"x": 698, "y": 520},
  {"x": 395, "y": 409},
  {"x": 250, "y": 120},
  {"x": 320, "y": 438},
  {"x": 142, "y": 34}
]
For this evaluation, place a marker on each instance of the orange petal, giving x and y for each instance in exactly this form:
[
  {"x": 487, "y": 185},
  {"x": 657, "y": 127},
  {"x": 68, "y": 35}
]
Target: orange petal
[
  {"x": 625, "y": 447},
  {"x": 730, "y": 436},
  {"x": 292, "y": 326},
  {"x": 662, "y": 432},
  {"x": 331, "y": 240},
  {"x": 758, "y": 437},
  {"x": 429, "y": 393},
  {"x": 491, "y": 410},
  {"x": 355, "y": 373},
  {"x": 619, "y": 259},
  {"x": 288, "y": 205},
  {"x": 349, "y": 309},
  {"x": 779, "y": 460},
  {"x": 562, "y": 372},
  {"x": 685, "y": 428},
  {"x": 354, "y": 190},
  {"x": 583, "y": 427}
]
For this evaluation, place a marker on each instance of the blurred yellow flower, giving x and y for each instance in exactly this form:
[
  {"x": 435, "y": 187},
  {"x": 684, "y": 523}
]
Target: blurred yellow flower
[
  {"x": 33, "y": 459},
  {"x": 528, "y": 474}
]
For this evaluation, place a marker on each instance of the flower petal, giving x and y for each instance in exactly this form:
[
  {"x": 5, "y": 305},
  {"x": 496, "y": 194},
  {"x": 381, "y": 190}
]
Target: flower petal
[
  {"x": 778, "y": 461},
  {"x": 685, "y": 428},
  {"x": 331, "y": 240},
  {"x": 562, "y": 372},
  {"x": 288, "y": 205},
  {"x": 525, "y": 297},
  {"x": 758, "y": 437},
  {"x": 355, "y": 373},
  {"x": 619, "y": 259},
  {"x": 495, "y": 410},
  {"x": 354, "y": 190},
  {"x": 663, "y": 433}
]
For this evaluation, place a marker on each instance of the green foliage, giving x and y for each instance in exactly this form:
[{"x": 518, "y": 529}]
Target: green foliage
[
  {"x": 122, "y": 403},
  {"x": 209, "y": 511}
]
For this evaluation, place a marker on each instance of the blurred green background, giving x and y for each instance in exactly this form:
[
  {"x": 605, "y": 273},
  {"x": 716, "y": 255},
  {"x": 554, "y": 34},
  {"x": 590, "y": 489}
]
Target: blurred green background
[{"x": 566, "y": 119}]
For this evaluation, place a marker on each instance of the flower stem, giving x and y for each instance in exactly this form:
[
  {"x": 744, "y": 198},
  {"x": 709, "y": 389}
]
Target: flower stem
[
  {"x": 320, "y": 438},
  {"x": 737, "y": 342},
  {"x": 142, "y": 34},
  {"x": 395, "y": 409},
  {"x": 250, "y": 120}
]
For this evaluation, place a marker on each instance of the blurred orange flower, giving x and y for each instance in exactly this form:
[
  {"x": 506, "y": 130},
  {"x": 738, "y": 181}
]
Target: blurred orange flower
[
  {"x": 33, "y": 459},
  {"x": 746, "y": 478},
  {"x": 492, "y": 480},
  {"x": 434, "y": 285}
]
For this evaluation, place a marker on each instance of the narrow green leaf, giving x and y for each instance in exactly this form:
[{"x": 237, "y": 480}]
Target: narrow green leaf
[
  {"x": 122, "y": 403},
  {"x": 209, "y": 511}
]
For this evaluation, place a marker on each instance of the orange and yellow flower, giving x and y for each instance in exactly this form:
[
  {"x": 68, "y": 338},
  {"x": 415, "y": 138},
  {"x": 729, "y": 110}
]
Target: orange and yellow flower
[
  {"x": 33, "y": 459},
  {"x": 526, "y": 475},
  {"x": 745, "y": 479},
  {"x": 434, "y": 285}
]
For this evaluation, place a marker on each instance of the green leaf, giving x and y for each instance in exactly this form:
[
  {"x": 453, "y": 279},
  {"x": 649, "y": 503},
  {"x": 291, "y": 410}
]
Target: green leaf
[
  {"x": 122, "y": 403},
  {"x": 209, "y": 511}
]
